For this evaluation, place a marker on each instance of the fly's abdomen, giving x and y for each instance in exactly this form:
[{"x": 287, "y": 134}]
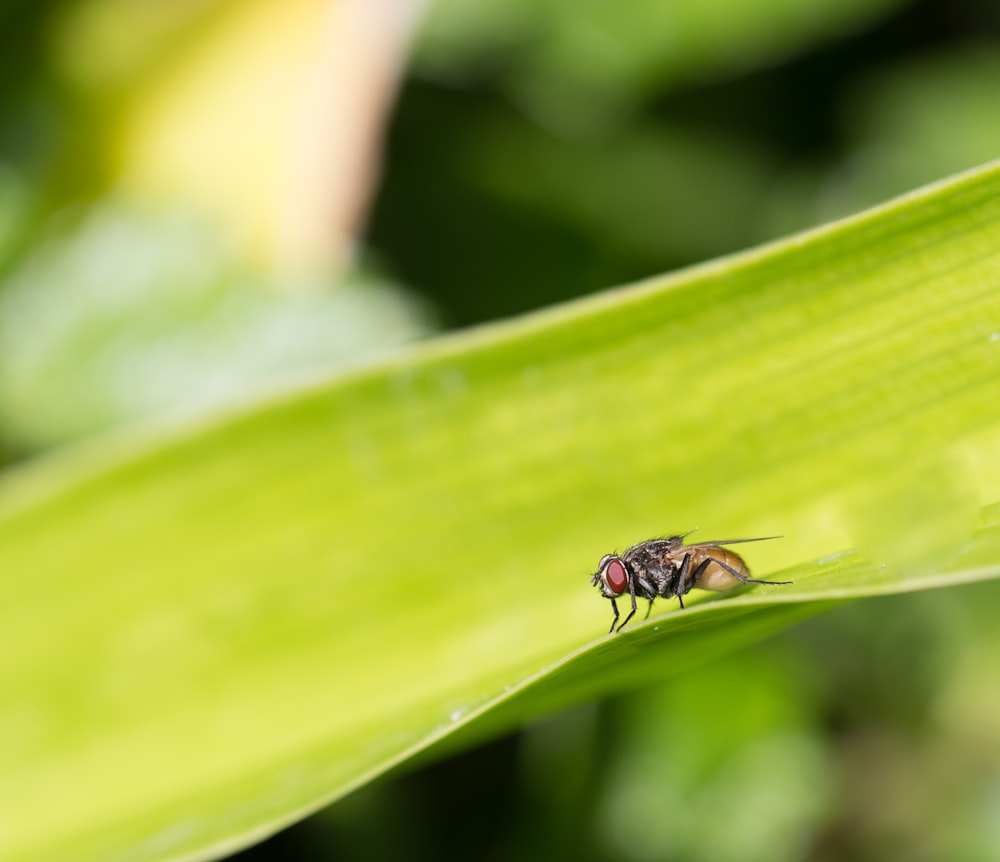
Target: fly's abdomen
[{"x": 718, "y": 577}]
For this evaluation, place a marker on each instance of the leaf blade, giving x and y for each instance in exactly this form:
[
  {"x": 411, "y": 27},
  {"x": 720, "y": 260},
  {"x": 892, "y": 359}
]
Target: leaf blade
[{"x": 227, "y": 627}]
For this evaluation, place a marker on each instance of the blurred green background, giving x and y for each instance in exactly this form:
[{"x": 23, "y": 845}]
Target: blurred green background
[{"x": 202, "y": 201}]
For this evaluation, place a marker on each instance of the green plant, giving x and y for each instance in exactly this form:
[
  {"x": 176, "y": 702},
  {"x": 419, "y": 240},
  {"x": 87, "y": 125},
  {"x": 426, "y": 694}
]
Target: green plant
[{"x": 209, "y": 633}]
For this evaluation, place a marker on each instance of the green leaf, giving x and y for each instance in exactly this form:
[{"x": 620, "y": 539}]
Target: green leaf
[
  {"x": 213, "y": 632},
  {"x": 588, "y": 45}
]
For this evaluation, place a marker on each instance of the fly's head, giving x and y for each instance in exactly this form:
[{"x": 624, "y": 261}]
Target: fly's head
[{"x": 611, "y": 576}]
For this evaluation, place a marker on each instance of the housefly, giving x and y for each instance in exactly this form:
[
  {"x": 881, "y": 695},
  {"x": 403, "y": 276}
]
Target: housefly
[{"x": 664, "y": 568}]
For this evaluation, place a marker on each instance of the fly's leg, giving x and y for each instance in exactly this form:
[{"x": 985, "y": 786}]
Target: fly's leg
[
  {"x": 681, "y": 577},
  {"x": 686, "y": 578},
  {"x": 631, "y": 589},
  {"x": 648, "y": 609},
  {"x": 743, "y": 579},
  {"x": 614, "y": 607},
  {"x": 697, "y": 573}
]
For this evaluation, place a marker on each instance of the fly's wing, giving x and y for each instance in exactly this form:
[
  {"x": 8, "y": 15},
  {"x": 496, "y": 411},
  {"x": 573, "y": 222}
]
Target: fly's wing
[{"x": 719, "y": 542}]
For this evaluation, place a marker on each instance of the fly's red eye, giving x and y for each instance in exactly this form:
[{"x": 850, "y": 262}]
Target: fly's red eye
[{"x": 615, "y": 576}]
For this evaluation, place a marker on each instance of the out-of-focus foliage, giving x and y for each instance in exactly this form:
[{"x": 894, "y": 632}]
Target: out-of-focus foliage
[
  {"x": 903, "y": 125},
  {"x": 581, "y": 64},
  {"x": 686, "y": 170},
  {"x": 182, "y": 326},
  {"x": 175, "y": 228}
]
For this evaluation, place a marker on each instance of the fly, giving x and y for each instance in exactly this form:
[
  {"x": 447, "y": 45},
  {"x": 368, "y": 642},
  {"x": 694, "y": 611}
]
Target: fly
[{"x": 664, "y": 568}]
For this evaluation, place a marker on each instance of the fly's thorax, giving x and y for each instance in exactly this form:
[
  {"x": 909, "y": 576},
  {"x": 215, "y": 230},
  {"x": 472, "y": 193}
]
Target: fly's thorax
[{"x": 654, "y": 567}]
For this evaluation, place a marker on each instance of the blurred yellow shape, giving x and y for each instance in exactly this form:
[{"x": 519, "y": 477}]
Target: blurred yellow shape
[{"x": 263, "y": 116}]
